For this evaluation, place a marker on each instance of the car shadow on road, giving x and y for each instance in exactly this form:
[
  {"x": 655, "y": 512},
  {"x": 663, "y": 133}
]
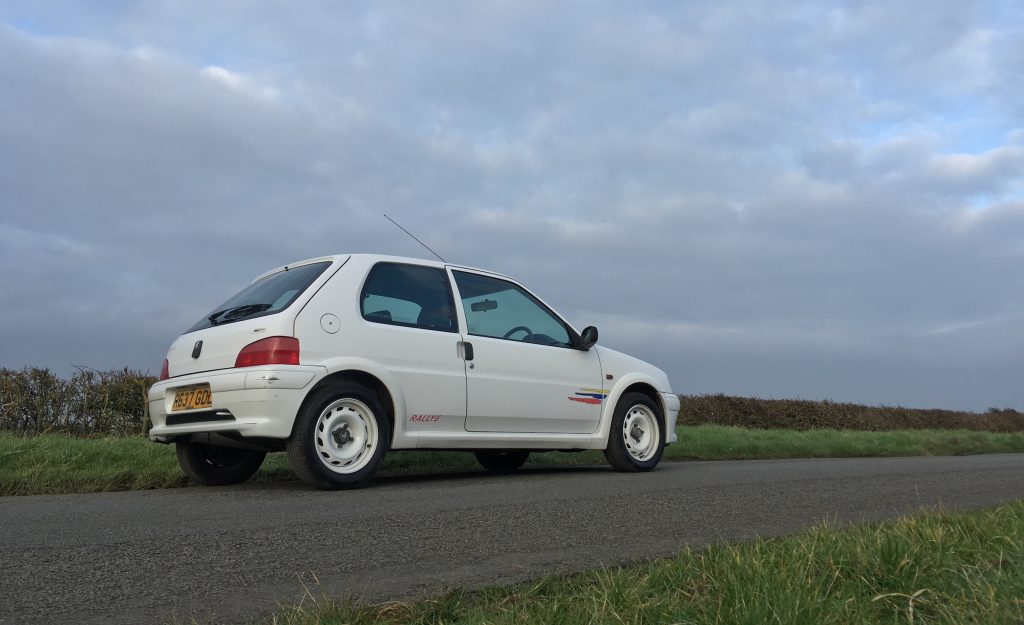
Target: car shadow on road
[
  {"x": 455, "y": 475},
  {"x": 481, "y": 474}
]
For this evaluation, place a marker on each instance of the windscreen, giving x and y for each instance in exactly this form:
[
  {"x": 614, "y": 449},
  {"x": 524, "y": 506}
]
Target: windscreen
[{"x": 266, "y": 296}]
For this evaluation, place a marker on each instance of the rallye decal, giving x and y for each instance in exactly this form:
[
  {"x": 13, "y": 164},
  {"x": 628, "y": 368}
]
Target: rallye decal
[{"x": 590, "y": 395}]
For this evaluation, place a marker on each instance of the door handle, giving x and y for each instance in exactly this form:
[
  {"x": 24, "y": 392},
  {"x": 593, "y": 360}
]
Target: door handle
[{"x": 465, "y": 350}]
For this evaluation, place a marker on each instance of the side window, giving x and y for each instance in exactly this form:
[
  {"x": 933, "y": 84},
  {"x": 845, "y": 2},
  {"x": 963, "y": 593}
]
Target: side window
[
  {"x": 408, "y": 295},
  {"x": 501, "y": 309}
]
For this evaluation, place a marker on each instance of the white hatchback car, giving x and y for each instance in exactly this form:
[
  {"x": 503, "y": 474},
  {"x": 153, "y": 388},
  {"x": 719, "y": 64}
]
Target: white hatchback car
[{"x": 338, "y": 359}]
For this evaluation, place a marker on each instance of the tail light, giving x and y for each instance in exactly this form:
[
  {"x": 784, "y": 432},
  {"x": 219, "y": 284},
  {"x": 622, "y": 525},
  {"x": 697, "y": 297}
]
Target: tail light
[
  {"x": 273, "y": 350},
  {"x": 164, "y": 373}
]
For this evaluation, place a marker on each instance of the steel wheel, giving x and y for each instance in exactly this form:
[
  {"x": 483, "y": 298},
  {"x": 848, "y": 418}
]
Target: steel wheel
[
  {"x": 339, "y": 438},
  {"x": 635, "y": 439},
  {"x": 640, "y": 432},
  {"x": 346, "y": 436}
]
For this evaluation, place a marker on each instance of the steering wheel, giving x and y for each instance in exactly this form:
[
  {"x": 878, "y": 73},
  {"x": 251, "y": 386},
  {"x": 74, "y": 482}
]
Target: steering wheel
[{"x": 517, "y": 329}]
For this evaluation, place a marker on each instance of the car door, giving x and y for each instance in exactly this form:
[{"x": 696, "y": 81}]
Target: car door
[
  {"x": 525, "y": 375},
  {"x": 410, "y": 327}
]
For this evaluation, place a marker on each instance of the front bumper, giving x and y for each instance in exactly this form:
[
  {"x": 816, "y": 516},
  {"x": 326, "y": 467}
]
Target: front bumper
[
  {"x": 250, "y": 402},
  {"x": 671, "y": 402}
]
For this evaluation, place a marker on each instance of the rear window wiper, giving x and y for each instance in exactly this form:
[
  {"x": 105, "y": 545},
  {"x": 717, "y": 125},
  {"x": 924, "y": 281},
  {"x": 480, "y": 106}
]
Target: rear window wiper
[{"x": 237, "y": 311}]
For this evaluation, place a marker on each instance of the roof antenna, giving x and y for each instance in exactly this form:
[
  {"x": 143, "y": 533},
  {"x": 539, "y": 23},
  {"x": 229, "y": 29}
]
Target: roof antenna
[{"x": 415, "y": 239}]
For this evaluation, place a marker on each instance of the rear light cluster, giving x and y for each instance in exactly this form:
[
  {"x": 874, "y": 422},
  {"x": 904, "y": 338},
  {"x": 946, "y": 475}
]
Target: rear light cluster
[{"x": 273, "y": 350}]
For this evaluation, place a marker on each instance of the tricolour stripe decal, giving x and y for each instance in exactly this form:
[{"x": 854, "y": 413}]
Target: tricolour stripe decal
[{"x": 590, "y": 395}]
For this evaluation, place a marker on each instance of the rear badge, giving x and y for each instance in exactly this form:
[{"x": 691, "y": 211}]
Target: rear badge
[{"x": 197, "y": 349}]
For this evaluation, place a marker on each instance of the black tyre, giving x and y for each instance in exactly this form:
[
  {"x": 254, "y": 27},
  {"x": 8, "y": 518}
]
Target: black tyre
[
  {"x": 218, "y": 466},
  {"x": 637, "y": 436},
  {"x": 501, "y": 460},
  {"x": 339, "y": 438}
]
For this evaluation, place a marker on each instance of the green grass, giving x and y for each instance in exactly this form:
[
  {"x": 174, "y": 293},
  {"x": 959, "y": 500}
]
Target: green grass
[
  {"x": 934, "y": 568},
  {"x": 732, "y": 443},
  {"x": 53, "y": 463}
]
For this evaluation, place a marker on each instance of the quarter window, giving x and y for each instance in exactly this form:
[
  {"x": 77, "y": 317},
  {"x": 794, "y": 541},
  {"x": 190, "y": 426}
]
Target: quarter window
[
  {"x": 500, "y": 309},
  {"x": 409, "y": 295}
]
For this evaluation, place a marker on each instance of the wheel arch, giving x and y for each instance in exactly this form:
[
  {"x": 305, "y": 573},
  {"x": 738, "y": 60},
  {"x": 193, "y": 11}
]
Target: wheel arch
[
  {"x": 632, "y": 384},
  {"x": 386, "y": 393},
  {"x": 649, "y": 391},
  {"x": 644, "y": 389}
]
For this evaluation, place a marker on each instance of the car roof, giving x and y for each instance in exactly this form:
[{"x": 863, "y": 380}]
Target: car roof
[{"x": 376, "y": 258}]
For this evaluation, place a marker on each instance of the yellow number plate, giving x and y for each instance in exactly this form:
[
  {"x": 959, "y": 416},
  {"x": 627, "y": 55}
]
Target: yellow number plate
[{"x": 192, "y": 397}]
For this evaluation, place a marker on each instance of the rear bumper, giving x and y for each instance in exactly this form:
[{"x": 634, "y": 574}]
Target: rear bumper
[
  {"x": 671, "y": 402},
  {"x": 250, "y": 402}
]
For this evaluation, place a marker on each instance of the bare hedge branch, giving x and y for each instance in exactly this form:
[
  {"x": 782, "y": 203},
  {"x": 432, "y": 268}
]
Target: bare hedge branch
[
  {"x": 799, "y": 414},
  {"x": 90, "y": 402}
]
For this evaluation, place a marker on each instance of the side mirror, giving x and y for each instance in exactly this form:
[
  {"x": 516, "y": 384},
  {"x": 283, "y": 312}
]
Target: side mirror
[{"x": 588, "y": 338}]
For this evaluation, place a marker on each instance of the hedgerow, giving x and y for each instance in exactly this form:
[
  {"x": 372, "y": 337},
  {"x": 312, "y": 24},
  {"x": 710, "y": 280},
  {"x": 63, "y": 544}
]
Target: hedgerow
[{"x": 113, "y": 402}]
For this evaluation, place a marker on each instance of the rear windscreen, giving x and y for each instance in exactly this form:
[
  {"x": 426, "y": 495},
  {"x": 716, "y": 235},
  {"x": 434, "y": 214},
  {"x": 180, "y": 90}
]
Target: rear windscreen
[{"x": 266, "y": 296}]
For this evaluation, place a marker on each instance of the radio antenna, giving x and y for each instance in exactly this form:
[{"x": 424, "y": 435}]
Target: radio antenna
[{"x": 415, "y": 239}]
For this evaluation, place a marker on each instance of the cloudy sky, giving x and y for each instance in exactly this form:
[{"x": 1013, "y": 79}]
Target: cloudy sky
[{"x": 816, "y": 200}]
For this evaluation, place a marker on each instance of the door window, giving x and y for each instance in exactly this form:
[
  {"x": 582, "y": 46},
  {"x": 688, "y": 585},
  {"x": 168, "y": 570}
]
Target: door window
[
  {"x": 500, "y": 309},
  {"x": 409, "y": 295}
]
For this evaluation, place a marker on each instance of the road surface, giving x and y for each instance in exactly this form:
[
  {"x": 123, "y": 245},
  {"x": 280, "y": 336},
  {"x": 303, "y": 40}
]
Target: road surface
[{"x": 229, "y": 555}]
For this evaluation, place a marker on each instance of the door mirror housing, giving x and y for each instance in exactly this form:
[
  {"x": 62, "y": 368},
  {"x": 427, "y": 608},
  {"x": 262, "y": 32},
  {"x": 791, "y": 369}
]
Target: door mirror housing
[{"x": 588, "y": 338}]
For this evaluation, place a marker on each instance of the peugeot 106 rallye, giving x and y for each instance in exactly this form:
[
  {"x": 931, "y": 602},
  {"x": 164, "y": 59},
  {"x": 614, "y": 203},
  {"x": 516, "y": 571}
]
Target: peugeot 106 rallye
[{"x": 340, "y": 359}]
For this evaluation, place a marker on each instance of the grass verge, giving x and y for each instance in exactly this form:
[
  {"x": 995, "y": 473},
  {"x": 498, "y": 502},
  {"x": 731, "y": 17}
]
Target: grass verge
[
  {"x": 54, "y": 463},
  {"x": 933, "y": 568}
]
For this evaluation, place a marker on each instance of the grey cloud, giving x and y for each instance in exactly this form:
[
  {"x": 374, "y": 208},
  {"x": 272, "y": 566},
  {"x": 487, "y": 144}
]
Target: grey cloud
[{"x": 759, "y": 203}]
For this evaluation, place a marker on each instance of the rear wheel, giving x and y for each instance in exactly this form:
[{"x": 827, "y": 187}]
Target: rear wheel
[
  {"x": 501, "y": 460},
  {"x": 214, "y": 465},
  {"x": 637, "y": 438},
  {"x": 339, "y": 438}
]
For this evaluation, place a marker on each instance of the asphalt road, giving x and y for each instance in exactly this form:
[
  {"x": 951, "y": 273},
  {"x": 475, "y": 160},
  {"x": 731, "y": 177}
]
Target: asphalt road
[{"x": 231, "y": 554}]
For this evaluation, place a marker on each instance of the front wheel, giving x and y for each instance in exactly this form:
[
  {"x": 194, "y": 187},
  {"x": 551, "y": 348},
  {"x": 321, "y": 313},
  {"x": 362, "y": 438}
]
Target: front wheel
[
  {"x": 339, "y": 438},
  {"x": 501, "y": 461},
  {"x": 637, "y": 437},
  {"x": 214, "y": 465}
]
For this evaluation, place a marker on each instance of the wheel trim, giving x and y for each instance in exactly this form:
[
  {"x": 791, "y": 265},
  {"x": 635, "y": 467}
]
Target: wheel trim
[
  {"x": 640, "y": 432},
  {"x": 357, "y": 447}
]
